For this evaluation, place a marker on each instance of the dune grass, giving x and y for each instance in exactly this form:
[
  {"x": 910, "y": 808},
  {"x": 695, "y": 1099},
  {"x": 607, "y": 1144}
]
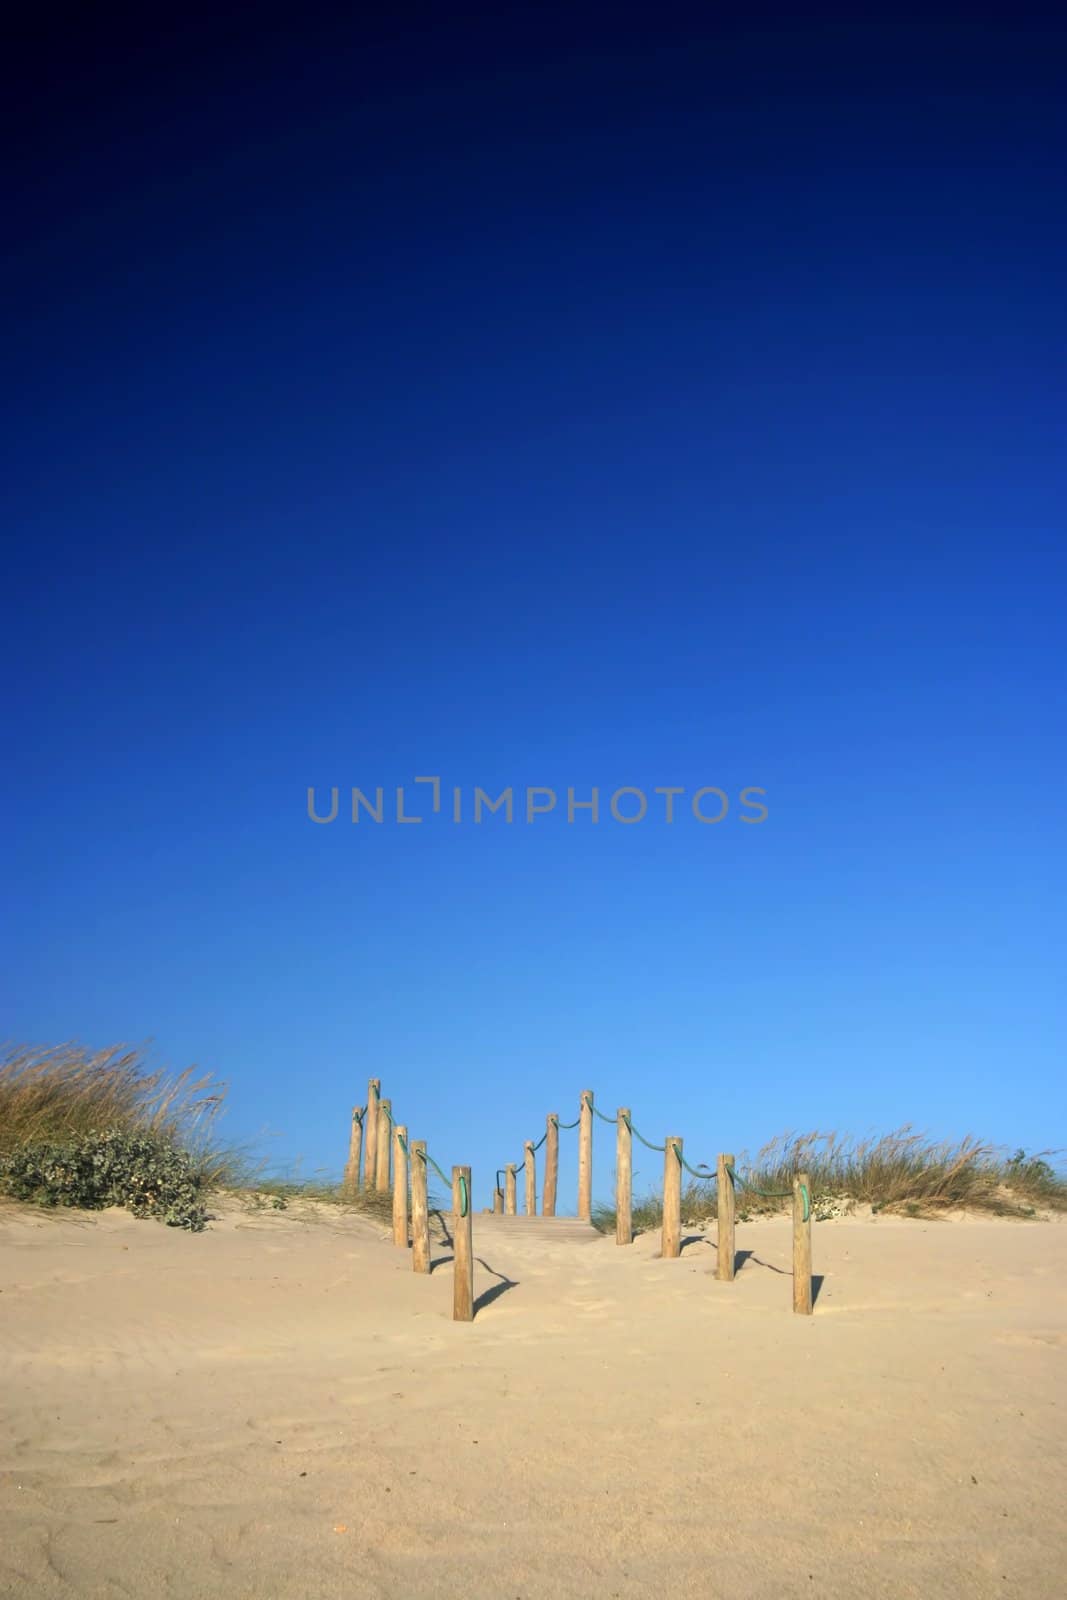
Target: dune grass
[
  {"x": 63, "y": 1092},
  {"x": 309, "y": 1197},
  {"x": 903, "y": 1172},
  {"x": 69, "y": 1104}
]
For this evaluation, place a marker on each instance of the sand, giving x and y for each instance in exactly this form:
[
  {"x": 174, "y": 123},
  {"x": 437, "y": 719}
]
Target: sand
[{"x": 281, "y": 1408}]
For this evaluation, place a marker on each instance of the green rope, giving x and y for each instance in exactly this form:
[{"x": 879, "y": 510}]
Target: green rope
[
  {"x": 540, "y": 1141},
  {"x": 699, "y": 1171},
  {"x": 357, "y": 1114},
  {"x": 560, "y": 1124},
  {"x": 773, "y": 1194},
  {"x": 465, "y": 1199},
  {"x": 426, "y": 1156},
  {"x": 588, "y": 1100},
  {"x": 648, "y": 1146},
  {"x": 767, "y": 1194}
]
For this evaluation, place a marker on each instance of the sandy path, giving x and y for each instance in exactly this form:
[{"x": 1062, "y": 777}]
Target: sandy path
[{"x": 196, "y": 1416}]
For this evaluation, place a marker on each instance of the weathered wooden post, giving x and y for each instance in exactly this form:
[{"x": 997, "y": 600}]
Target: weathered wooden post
[
  {"x": 509, "y": 1190},
  {"x": 462, "y": 1247},
  {"x": 400, "y": 1186},
  {"x": 531, "y": 1178},
  {"x": 624, "y": 1229},
  {"x": 585, "y": 1157},
  {"x": 385, "y": 1125},
  {"x": 498, "y": 1202},
  {"x": 548, "y": 1195},
  {"x": 370, "y": 1133},
  {"x": 802, "y": 1298},
  {"x": 420, "y": 1208},
  {"x": 355, "y": 1146},
  {"x": 724, "y": 1184},
  {"x": 672, "y": 1197}
]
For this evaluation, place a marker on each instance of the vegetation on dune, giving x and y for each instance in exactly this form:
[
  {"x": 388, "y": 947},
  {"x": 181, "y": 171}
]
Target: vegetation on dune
[
  {"x": 63, "y": 1091},
  {"x": 95, "y": 1129},
  {"x": 301, "y": 1195},
  {"x": 112, "y": 1168},
  {"x": 903, "y": 1172}
]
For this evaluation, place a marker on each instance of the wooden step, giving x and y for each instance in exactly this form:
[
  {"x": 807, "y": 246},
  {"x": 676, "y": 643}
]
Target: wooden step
[{"x": 570, "y": 1229}]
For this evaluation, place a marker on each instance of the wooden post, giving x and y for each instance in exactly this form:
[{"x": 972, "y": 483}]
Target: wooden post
[
  {"x": 802, "y": 1300},
  {"x": 498, "y": 1202},
  {"x": 381, "y": 1180},
  {"x": 725, "y": 1242},
  {"x": 548, "y": 1195},
  {"x": 370, "y": 1133},
  {"x": 420, "y": 1208},
  {"x": 672, "y": 1198},
  {"x": 509, "y": 1190},
  {"x": 531, "y": 1178},
  {"x": 355, "y": 1146},
  {"x": 462, "y": 1247},
  {"x": 624, "y": 1228},
  {"x": 585, "y": 1157},
  {"x": 400, "y": 1187}
]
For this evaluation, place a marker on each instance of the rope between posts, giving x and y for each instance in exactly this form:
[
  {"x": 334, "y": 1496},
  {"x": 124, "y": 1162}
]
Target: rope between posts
[
  {"x": 703, "y": 1173},
  {"x": 768, "y": 1194},
  {"x": 774, "y": 1194},
  {"x": 465, "y": 1201},
  {"x": 660, "y": 1148},
  {"x": 464, "y": 1194},
  {"x": 555, "y": 1119},
  {"x": 426, "y": 1156},
  {"x": 699, "y": 1171},
  {"x": 597, "y": 1112}
]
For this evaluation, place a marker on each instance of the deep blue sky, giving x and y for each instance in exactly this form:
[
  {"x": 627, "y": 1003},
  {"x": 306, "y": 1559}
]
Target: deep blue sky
[{"x": 543, "y": 401}]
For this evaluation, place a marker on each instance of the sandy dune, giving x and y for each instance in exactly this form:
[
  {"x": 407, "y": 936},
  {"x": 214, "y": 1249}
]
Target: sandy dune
[{"x": 282, "y": 1408}]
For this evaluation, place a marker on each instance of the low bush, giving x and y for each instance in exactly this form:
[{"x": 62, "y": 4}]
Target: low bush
[{"x": 141, "y": 1171}]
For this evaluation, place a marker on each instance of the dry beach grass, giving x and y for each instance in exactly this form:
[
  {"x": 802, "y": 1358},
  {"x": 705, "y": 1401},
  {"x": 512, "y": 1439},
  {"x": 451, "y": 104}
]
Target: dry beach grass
[
  {"x": 59, "y": 1091},
  {"x": 901, "y": 1172}
]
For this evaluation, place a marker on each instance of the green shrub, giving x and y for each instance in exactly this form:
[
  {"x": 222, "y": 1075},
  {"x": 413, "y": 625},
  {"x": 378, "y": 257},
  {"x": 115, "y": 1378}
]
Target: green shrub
[{"x": 139, "y": 1171}]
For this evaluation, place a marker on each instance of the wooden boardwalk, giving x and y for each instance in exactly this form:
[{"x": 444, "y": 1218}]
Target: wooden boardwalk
[{"x": 554, "y": 1230}]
